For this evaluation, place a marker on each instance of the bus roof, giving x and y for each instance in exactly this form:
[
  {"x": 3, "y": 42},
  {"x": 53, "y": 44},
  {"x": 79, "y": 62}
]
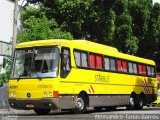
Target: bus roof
[
  {"x": 64, "y": 42},
  {"x": 86, "y": 46}
]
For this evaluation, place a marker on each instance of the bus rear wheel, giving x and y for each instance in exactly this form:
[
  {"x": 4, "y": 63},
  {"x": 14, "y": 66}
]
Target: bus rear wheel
[
  {"x": 81, "y": 105},
  {"x": 132, "y": 102},
  {"x": 140, "y": 103},
  {"x": 42, "y": 111}
]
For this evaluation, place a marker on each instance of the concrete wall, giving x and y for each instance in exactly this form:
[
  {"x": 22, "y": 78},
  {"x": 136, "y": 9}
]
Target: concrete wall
[{"x": 4, "y": 97}]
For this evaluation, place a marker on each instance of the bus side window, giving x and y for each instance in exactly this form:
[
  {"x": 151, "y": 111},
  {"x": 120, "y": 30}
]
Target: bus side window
[
  {"x": 106, "y": 63},
  {"x": 124, "y": 66},
  {"x": 140, "y": 69},
  {"x": 153, "y": 73},
  {"x": 81, "y": 58},
  {"x": 65, "y": 62},
  {"x": 144, "y": 69},
  {"x": 99, "y": 62},
  {"x": 77, "y": 56},
  {"x": 113, "y": 64},
  {"x": 119, "y": 65},
  {"x": 92, "y": 62},
  {"x": 149, "y": 72},
  {"x": 130, "y": 65},
  {"x": 135, "y": 71},
  {"x": 84, "y": 59}
]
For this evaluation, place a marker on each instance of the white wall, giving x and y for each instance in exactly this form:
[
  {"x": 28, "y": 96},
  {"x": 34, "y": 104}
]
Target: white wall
[{"x": 6, "y": 20}]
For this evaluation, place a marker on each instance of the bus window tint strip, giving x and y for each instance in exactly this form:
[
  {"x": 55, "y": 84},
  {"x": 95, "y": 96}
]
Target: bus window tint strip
[{"x": 106, "y": 63}]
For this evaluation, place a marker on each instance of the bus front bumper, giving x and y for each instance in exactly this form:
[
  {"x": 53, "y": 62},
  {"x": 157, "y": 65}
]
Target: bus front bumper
[{"x": 47, "y": 103}]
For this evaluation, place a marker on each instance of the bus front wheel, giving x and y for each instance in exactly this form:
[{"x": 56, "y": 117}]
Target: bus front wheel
[
  {"x": 81, "y": 104},
  {"x": 42, "y": 111}
]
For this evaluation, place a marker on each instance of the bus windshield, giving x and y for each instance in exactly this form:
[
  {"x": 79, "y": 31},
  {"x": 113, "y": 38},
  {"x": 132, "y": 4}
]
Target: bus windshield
[{"x": 35, "y": 63}]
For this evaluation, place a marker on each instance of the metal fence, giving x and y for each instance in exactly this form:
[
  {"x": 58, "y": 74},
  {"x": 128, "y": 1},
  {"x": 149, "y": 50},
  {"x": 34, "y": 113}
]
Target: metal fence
[{"x": 4, "y": 97}]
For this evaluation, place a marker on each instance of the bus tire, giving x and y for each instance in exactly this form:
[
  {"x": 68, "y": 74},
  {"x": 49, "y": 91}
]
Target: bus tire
[
  {"x": 81, "y": 105},
  {"x": 132, "y": 102},
  {"x": 140, "y": 103},
  {"x": 42, "y": 111}
]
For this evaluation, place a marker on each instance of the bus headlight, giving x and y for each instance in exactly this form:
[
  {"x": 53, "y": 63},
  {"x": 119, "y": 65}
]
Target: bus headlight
[
  {"x": 50, "y": 94},
  {"x": 12, "y": 94},
  {"x": 45, "y": 94}
]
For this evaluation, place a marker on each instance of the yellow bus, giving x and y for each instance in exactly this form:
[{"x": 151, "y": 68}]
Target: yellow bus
[{"x": 77, "y": 74}]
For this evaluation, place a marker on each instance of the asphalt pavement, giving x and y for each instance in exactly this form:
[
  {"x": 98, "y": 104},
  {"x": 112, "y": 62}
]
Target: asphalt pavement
[{"x": 148, "y": 113}]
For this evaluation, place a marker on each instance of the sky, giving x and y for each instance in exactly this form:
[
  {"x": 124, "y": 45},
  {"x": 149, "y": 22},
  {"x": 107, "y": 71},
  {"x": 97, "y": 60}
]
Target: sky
[{"x": 156, "y": 1}]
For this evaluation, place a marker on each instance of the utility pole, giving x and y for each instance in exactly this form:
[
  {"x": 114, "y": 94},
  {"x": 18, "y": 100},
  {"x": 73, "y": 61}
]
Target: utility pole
[{"x": 15, "y": 15}]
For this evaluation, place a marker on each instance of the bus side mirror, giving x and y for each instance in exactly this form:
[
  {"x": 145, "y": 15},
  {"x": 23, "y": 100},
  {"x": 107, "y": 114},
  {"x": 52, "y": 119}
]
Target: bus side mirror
[{"x": 4, "y": 62}]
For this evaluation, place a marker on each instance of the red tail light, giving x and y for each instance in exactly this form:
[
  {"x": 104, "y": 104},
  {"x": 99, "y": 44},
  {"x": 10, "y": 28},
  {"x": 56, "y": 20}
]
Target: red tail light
[{"x": 55, "y": 94}]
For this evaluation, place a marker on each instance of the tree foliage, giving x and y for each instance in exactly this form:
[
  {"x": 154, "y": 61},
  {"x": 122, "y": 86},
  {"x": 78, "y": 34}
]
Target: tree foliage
[
  {"x": 4, "y": 77},
  {"x": 132, "y": 26},
  {"x": 124, "y": 38},
  {"x": 37, "y": 26}
]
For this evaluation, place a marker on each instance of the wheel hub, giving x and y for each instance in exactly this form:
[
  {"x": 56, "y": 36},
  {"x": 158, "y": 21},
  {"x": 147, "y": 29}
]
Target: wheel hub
[
  {"x": 131, "y": 101},
  {"x": 79, "y": 103}
]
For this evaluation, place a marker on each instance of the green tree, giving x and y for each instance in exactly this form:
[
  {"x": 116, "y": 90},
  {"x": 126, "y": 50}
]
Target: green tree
[
  {"x": 4, "y": 77},
  {"x": 110, "y": 27},
  {"x": 153, "y": 36},
  {"x": 140, "y": 13},
  {"x": 125, "y": 41},
  {"x": 130, "y": 25},
  {"x": 37, "y": 26},
  {"x": 100, "y": 23},
  {"x": 89, "y": 19}
]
